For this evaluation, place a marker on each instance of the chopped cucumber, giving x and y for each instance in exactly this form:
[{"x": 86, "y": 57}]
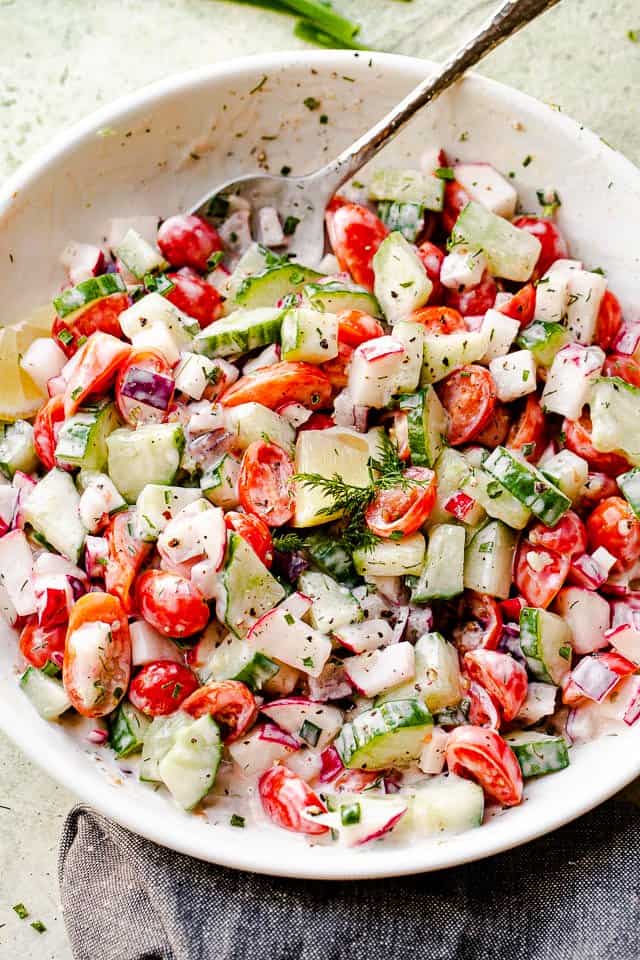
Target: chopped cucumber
[
  {"x": 255, "y": 259},
  {"x": 155, "y": 311},
  {"x": 545, "y": 639},
  {"x": 331, "y": 557},
  {"x": 158, "y": 740},
  {"x": 234, "y": 659},
  {"x": 496, "y": 499},
  {"x": 189, "y": 767},
  {"x": 444, "y": 353},
  {"x": 240, "y": 332},
  {"x": 489, "y": 559},
  {"x": 82, "y": 441},
  {"x": 566, "y": 471},
  {"x": 452, "y": 471},
  {"x": 308, "y": 334},
  {"x": 411, "y": 336},
  {"x": 527, "y": 485},
  {"x": 52, "y": 508},
  {"x": 127, "y": 729},
  {"x": 407, "y": 186},
  {"x": 392, "y": 558},
  {"x": 157, "y": 504},
  {"x": 437, "y": 680},
  {"x": 219, "y": 483},
  {"x": 138, "y": 255},
  {"x": 629, "y": 484},
  {"x": 511, "y": 253},
  {"x": 538, "y": 753},
  {"x": 333, "y": 606},
  {"x": 86, "y": 292},
  {"x": 391, "y": 735},
  {"x": 17, "y": 451},
  {"x": 446, "y": 804},
  {"x": 427, "y": 426},
  {"x": 615, "y": 417},
  {"x": 247, "y": 589},
  {"x": 149, "y": 454},
  {"x": 46, "y": 693},
  {"x": 335, "y": 296},
  {"x": 544, "y": 338},
  {"x": 401, "y": 281},
  {"x": 266, "y": 288},
  {"x": 443, "y": 572},
  {"x": 253, "y": 421},
  {"x": 335, "y": 451},
  {"x": 406, "y": 218}
]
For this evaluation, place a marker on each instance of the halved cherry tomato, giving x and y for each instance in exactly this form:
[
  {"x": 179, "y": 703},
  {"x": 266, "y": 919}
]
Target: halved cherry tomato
[
  {"x": 474, "y": 301},
  {"x": 171, "y": 604},
  {"x": 597, "y": 488},
  {"x": 264, "y": 483},
  {"x": 539, "y": 587},
  {"x": 438, "y": 319},
  {"x": 101, "y": 316},
  {"x": 577, "y": 435},
  {"x": 95, "y": 368},
  {"x": 432, "y": 258},
  {"x": 480, "y": 622},
  {"x": 126, "y": 554},
  {"x": 141, "y": 365},
  {"x": 337, "y": 370},
  {"x": 356, "y": 327},
  {"x": 255, "y": 531},
  {"x": 497, "y": 428},
  {"x": 522, "y": 305},
  {"x": 568, "y": 537},
  {"x": 469, "y": 397},
  {"x": 284, "y": 382},
  {"x": 97, "y": 678},
  {"x": 194, "y": 296},
  {"x": 455, "y": 200},
  {"x": 609, "y": 321},
  {"x": 318, "y": 421},
  {"x": 614, "y": 526},
  {"x": 484, "y": 756},
  {"x": 290, "y": 802},
  {"x": 159, "y": 688},
  {"x": 502, "y": 676},
  {"x": 554, "y": 246},
  {"x": 403, "y": 509},
  {"x": 46, "y": 427},
  {"x": 42, "y": 645},
  {"x": 624, "y": 367},
  {"x": 483, "y": 709},
  {"x": 355, "y": 233},
  {"x": 186, "y": 240},
  {"x": 229, "y": 702},
  {"x": 529, "y": 428}
]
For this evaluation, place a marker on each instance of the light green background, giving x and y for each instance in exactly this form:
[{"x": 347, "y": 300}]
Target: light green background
[{"x": 60, "y": 59}]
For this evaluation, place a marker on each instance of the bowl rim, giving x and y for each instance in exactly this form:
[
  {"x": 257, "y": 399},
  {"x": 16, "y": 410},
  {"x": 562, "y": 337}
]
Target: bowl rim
[{"x": 116, "y": 804}]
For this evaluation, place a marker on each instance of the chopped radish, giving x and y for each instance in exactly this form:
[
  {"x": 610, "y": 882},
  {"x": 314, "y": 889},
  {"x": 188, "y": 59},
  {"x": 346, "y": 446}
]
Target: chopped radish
[
  {"x": 433, "y": 753},
  {"x": 235, "y": 232},
  {"x": 43, "y": 361},
  {"x": 270, "y": 231},
  {"x": 96, "y": 551},
  {"x": 588, "y": 615},
  {"x": 514, "y": 375},
  {"x": 307, "y": 764},
  {"x": 295, "y": 413},
  {"x": 625, "y": 638},
  {"x": 459, "y": 505},
  {"x": 374, "y": 371},
  {"x": 462, "y": 269},
  {"x": 574, "y": 370},
  {"x": 366, "y": 636},
  {"x": 361, "y": 818},
  {"x": 147, "y": 645},
  {"x": 82, "y": 261},
  {"x": 16, "y": 570},
  {"x": 56, "y": 386},
  {"x": 196, "y": 531},
  {"x": 98, "y": 501},
  {"x": 539, "y": 703},
  {"x": 260, "y": 749},
  {"x": 204, "y": 576},
  {"x": 8, "y": 502},
  {"x": 297, "y": 604},
  {"x": 283, "y": 636},
  {"x": 332, "y": 684},
  {"x": 486, "y": 186},
  {"x": 628, "y": 339},
  {"x": 265, "y": 358},
  {"x": 331, "y": 765},
  {"x": 317, "y": 724},
  {"x": 379, "y": 670}
]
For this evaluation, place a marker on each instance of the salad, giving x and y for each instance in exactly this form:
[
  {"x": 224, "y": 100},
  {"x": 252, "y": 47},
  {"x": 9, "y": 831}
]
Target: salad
[{"x": 354, "y": 544}]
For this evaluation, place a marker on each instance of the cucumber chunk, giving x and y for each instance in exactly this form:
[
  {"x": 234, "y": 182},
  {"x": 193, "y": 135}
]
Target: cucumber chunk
[
  {"x": 511, "y": 253},
  {"x": 333, "y": 606},
  {"x": 406, "y": 218},
  {"x": 265, "y": 289},
  {"x": 53, "y": 510},
  {"x": 256, "y": 259},
  {"x": 544, "y": 338},
  {"x": 219, "y": 483},
  {"x": 17, "y": 451},
  {"x": 392, "y": 558},
  {"x": 488, "y": 560},
  {"x": 528, "y": 485},
  {"x": 157, "y": 504},
  {"x": 401, "y": 281},
  {"x": 629, "y": 484},
  {"x": 391, "y": 735},
  {"x": 437, "y": 680},
  {"x": 615, "y": 417},
  {"x": 158, "y": 740},
  {"x": 309, "y": 335},
  {"x": 446, "y": 804},
  {"x": 234, "y": 659},
  {"x": 247, "y": 588},
  {"x": 330, "y": 557},
  {"x": 545, "y": 639},
  {"x": 427, "y": 426},
  {"x": 411, "y": 336},
  {"x": 86, "y": 292},
  {"x": 538, "y": 753},
  {"x": 407, "y": 186},
  {"x": 253, "y": 421},
  {"x": 189, "y": 767},
  {"x": 138, "y": 255},
  {"x": 443, "y": 353},
  {"x": 494, "y": 498},
  {"x": 46, "y": 693},
  {"x": 452, "y": 472},
  {"x": 82, "y": 441},
  {"x": 567, "y": 472},
  {"x": 336, "y": 450},
  {"x": 336, "y": 296},
  {"x": 443, "y": 573},
  {"x": 127, "y": 729},
  {"x": 240, "y": 332},
  {"x": 149, "y": 454}
]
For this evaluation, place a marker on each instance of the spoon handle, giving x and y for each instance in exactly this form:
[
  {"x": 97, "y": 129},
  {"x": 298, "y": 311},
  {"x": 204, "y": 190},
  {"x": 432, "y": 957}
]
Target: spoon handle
[{"x": 512, "y": 15}]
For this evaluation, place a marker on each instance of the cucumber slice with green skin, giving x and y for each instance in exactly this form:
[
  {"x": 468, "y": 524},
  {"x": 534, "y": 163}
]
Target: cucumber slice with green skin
[
  {"x": 391, "y": 735},
  {"x": 16, "y": 449},
  {"x": 615, "y": 417},
  {"x": 219, "y": 483},
  {"x": 127, "y": 729},
  {"x": 446, "y": 804},
  {"x": 157, "y": 504},
  {"x": 234, "y": 659},
  {"x": 45, "y": 692},
  {"x": 86, "y": 292},
  {"x": 545, "y": 639},
  {"x": 488, "y": 560},
  {"x": 452, "y": 471},
  {"x": 401, "y": 281},
  {"x": 149, "y": 454},
  {"x": 157, "y": 742},
  {"x": 443, "y": 353},
  {"x": 334, "y": 605},
  {"x": 138, "y": 255},
  {"x": 511, "y": 253},
  {"x": 427, "y": 425},
  {"x": 253, "y": 421},
  {"x": 265, "y": 289},
  {"x": 247, "y": 588},
  {"x": 309, "y": 335},
  {"x": 538, "y": 753},
  {"x": 336, "y": 296},
  {"x": 629, "y": 484},
  {"x": 189, "y": 767},
  {"x": 53, "y": 510},
  {"x": 544, "y": 339},
  {"x": 443, "y": 573},
  {"x": 437, "y": 681},
  {"x": 239, "y": 332},
  {"x": 82, "y": 441},
  {"x": 528, "y": 485},
  {"x": 331, "y": 558},
  {"x": 407, "y": 186},
  {"x": 406, "y": 218},
  {"x": 411, "y": 336},
  {"x": 256, "y": 259},
  {"x": 496, "y": 499},
  {"x": 392, "y": 558},
  {"x": 568, "y": 472}
]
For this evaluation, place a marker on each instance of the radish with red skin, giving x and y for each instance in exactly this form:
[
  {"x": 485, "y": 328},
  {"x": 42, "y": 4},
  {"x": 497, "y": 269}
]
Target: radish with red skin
[
  {"x": 375, "y": 671},
  {"x": 292, "y": 713},
  {"x": 194, "y": 296},
  {"x": 588, "y": 615},
  {"x": 279, "y": 634},
  {"x": 625, "y": 639},
  {"x": 364, "y": 637},
  {"x": 186, "y": 240}
]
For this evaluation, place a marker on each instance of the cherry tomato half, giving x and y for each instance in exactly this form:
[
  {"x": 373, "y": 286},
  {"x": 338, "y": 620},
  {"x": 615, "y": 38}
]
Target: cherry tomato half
[
  {"x": 356, "y": 327},
  {"x": 101, "y": 316},
  {"x": 159, "y": 688},
  {"x": 432, "y": 258},
  {"x": 474, "y": 301},
  {"x": 455, "y": 200},
  {"x": 46, "y": 427},
  {"x": 42, "y": 645},
  {"x": 501, "y": 676},
  {"x": 480, "y": 622},
  {"x": 522, "y": 305},
  {"x": 496, "y": 430},
  {"x": 403, "y": 509},
  {"x": 484, "y": 711},
  {"x": 568, "y": 537},
  {"x": 485, "y": 757},
  {"x": 126, "y": 554},
  {"x": 139, "y": 369},
  {"x": 96, "y": 365},
  {"x": 171, "y": 604},
  {"x": 290, "y": 802},
  {"x": 317, "y": 421},
  {"x": 469, "y": 397},
  {"x": 355, "y": 233},
  {"x": 255, "y": 531},
  {"x": 229, "y": 702},
  {"x": 554, "y": 246},
  {"x": 539, "y": 586},
  {"x": 284, "y": 382},
  {"x": 96, "y": 677},
  {"x": 618, "y": 365},
  {"x": 614, "y": 526},
  {"x": 609, "y": 321},
  {"x": 578, "y": 439},
  {"x": 529, "y": 428},
  {"x": 188, "y": 241},
  {"x": 337, "y": 370},
  {"x": 195, "y": 297},
  {"x": 438, "y": 319},
  {"x": 264, "y": 483}
]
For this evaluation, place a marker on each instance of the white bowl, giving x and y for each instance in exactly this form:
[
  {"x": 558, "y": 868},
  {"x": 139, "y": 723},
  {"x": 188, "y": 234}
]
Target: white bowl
[{"x": 157, "y": 151}]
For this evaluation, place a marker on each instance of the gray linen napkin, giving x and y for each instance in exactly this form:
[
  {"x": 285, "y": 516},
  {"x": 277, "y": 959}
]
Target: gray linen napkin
[{"x": 573, "y": 895}]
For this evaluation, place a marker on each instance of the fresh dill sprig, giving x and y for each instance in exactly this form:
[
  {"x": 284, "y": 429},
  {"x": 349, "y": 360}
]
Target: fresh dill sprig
[
  {"x": 288, "y": 542},
  {"x": 388, "y": 465}
]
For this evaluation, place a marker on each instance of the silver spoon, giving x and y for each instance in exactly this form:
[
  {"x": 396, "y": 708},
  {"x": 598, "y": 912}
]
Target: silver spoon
[{"x": 307, "y": 197}]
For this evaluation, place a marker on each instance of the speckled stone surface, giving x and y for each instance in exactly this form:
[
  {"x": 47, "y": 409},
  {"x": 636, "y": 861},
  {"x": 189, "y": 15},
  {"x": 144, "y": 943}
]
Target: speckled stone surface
[{"x": 59, "y": 59}]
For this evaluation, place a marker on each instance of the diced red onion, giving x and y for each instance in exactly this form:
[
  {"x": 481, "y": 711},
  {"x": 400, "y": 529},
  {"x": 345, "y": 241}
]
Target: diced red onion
[
  {"x": 78, "y": 588},
  {"x": 392, "y": 783},
  {"x": 56, "y": 386},
  {"x": 401, "y": 624},
  {"x": 95, "y": 556},
  {"x": 146, "y": 386},
  {"x": 331, "y": 765},
  {"x": 628, "y": 339},
  {"x": 291, "y": 565},
  {"x": 594, "y": 678},
  {"x": 632, "y": 713},
  {"x": 419, "y": 622}
]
